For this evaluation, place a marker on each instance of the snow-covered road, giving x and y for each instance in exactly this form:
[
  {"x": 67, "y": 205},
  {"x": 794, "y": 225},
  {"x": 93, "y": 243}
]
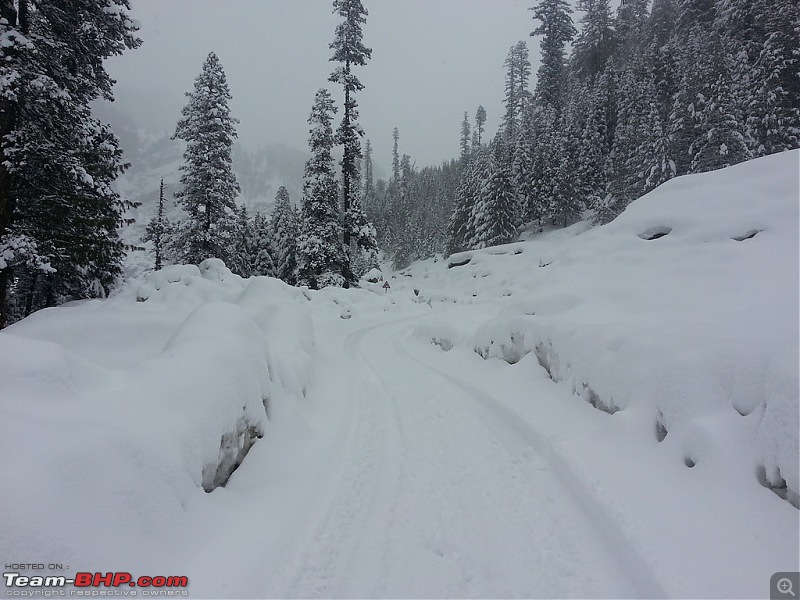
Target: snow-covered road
[{"x": 424, "y": 485}]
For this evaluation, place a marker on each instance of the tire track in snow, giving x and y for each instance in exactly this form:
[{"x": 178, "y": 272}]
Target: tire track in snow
[
  {"x": 499, "y": 417},
  {"x": 444, "y": 491},
  {"x": 355, "y": 503}
]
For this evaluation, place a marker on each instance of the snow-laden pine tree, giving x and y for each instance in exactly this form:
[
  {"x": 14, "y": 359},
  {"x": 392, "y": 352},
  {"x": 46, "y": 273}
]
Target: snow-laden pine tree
[
  {"x": 368, "y": 189},
  {"x": 596, "y": 137},
  {"x": 284, "y": 226},
  {"x": 557, "y": 30},
  {"x": 480, "y": 123},
  {"x": 158, "y": 231},
  {"x": 625, "y": 179},
  {"x": 595, "y": 43},
  {"x": 721, "y": 142},
  {"x": 464, "y": 141},
  {"x": 494, "y": 215},
  {"x": 209, "y": 187},
  {"x": 518, "y": 72},
  {"x": 656, "y": 163},
  {"x": 320, "y": 251},
  {"x": 462, "y": 233},
  {"x": 630, "y": 31},
  {"x": 262, "y": 249},
  {"x": 349, "y": 51},
  {"x": 777, "y": 97},
  {"x": 243, "y": 246},
  {"x": 459, "y": 233},
  {"x": 522, "y": 168},
  {"x": 58, "y": 213},
  {"x": 395, "y": 154}
]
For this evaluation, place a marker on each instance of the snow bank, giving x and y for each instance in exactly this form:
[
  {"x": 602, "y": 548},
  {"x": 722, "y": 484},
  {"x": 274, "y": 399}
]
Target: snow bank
[
  {"x": 143, "y": 400},
  {"x": 684, "y": 311}
]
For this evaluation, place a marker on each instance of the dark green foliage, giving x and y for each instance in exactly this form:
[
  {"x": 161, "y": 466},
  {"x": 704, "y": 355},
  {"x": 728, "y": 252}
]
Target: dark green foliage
[
  {"x": 349, "y": 52},
  {"x": 209, "y": 187},
  {"x": 320, "y": 250},
  {"x": 494, "y": 215},
  {"x": 58, "y": 213},
  {"x": 556, "y": 29},
  {"x": 284, "y": 226}
]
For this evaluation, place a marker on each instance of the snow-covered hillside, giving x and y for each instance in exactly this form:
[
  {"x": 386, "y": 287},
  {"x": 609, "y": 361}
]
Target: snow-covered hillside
[
  {"x": 682, "y": 312},
  {"x": 591, "y": 412}
]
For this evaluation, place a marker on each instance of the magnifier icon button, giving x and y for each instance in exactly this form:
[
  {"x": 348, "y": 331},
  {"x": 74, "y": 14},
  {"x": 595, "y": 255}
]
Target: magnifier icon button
[{"x": 784, "y": 586}]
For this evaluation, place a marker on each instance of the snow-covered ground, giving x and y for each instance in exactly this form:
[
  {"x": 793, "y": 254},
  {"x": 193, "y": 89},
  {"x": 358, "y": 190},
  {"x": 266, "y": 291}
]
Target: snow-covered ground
[{"x": 587, "y": 413}]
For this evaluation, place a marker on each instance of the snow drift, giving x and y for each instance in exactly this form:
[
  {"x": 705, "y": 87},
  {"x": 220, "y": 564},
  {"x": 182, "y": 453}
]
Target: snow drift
[{"x": 162, "y": 388}]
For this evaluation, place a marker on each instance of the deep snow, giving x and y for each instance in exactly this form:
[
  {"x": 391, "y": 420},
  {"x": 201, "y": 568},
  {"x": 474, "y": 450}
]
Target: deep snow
[{"x": 587, "y": 413}]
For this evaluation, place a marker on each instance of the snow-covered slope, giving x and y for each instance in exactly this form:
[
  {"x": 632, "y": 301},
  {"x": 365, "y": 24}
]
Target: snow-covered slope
[{"x": 683, "y": 313}]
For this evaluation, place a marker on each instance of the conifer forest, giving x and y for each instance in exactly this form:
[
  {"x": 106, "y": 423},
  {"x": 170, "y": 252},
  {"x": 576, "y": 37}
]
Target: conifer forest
[{"x": 623, "y": 100}]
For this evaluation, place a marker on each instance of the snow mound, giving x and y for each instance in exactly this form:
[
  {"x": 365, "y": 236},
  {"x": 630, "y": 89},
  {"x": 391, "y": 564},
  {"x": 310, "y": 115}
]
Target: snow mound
[{"x": 145, "y": 399}]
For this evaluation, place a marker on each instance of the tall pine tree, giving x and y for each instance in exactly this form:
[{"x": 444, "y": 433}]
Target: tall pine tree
[
  {"x": 209, "y": 187},
  {"x": 349, "y": 51}
]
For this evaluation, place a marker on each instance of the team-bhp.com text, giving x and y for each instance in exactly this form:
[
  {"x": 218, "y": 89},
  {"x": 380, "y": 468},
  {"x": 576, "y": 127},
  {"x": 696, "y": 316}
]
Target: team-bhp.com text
[{"x": 37, "y": 585}]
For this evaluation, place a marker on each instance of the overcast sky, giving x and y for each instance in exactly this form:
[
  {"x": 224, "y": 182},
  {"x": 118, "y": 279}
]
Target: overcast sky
[{"x": 432, "y": 60}]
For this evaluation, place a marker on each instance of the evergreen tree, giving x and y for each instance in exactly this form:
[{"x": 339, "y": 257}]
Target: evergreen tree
[
  {"x": 465, "y": 133},
  {"x": 595, "y": 42},
  {"x": 721, "y": 143},
  {"x": 209, "y": 187},
  {"x": 369, "y": 176},
  {"x": 654, "y": 152},
  {"x": 320, "y": 252},
  {"x": 284, "y": 231},
  {"x": 694, "y": 14},
  {"x": 777, "y": 98},
  {"x": 158, "y": 230},
  {"x": 630, "y": 30},
  {"x": 58, "y": 213},
  {"x": 243, "y": 247},
  {"x": 349, "y": 51},
  {"x": 363, "y": 245},
  {"x": 626, "y": 177},
  {"x": 596, "y": 137},
  {"x": 518, "y": 71},
  {"x": 694, "y": 72},
  {"x": 480, "y": 122},
  {"x": 261, "y": 247},
  {"x": 395, "y": 155},
  {"x": 565, "y": 202},
  {"x": 461, "y": 229},
  {"x": 557, "y": 30},
  {"x": 494, "y": 214},
  {"x": 661, "y": 24},
  {"x": 661, "y": 57},
  {"x": 523, "y": 166}
]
